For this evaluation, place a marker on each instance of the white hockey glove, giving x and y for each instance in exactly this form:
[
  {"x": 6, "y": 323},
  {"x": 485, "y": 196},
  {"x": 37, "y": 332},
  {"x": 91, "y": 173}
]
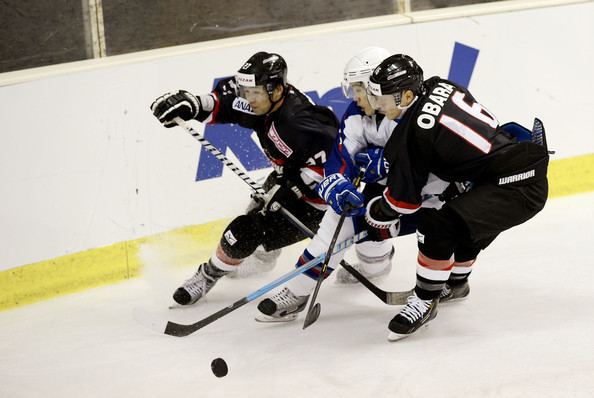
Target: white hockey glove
[
  {"x": 342, "y": 195},
  {"x": 171, "y": 105}
]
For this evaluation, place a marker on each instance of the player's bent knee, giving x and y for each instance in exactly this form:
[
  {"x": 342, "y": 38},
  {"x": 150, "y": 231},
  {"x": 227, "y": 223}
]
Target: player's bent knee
[
  {"x": 440, "y": 232},
  {"x": 241, "y": 237}
]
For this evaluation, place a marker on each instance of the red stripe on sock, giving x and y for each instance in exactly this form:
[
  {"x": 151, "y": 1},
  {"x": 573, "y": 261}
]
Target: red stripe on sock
[{"x": 438, "y": 265}]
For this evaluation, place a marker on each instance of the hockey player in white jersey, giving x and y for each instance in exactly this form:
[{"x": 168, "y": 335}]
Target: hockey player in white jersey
[{"x": 360, "y": 143}]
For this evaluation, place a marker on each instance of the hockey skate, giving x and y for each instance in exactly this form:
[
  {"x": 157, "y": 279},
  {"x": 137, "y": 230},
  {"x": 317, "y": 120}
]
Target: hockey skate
[
  {"x": 415, "y": 314},
  {"x": 455, "y": 292},
  {"x": 282, "y": 307},
  {"x": 199, "y": 284},
  {"x": 261, "y": 261},
  {"x": 371, "y": 268}
]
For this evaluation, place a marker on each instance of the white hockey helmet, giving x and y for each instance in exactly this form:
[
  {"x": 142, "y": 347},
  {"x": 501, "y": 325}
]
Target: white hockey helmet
[{"x": 359, "y": 68}]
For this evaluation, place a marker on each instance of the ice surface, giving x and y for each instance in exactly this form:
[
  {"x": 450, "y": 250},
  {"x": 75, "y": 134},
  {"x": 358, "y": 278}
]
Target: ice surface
[{"x": 527, "y": 330}]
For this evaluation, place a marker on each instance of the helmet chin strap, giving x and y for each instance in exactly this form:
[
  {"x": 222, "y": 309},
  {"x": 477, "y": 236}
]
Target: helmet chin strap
[
  {"x": 403, "y": 108},
  {"x": 273, "y": 103}
]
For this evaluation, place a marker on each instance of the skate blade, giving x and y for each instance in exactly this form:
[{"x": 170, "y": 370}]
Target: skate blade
[
  {"x": 454, "y": 300},
  {"x": 395, "y": 336},
  {"x": 270, "y": 319},
  {"x": 177, "y": 306},
  {"x": 392, "y": 336}
]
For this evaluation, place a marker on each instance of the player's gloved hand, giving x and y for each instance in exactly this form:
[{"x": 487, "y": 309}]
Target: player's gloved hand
[
  {"x": 454, "y": 190},
  {"x": 374, "y": 162},
  {"x": 378, "y": 230},
  {"x": 281, "y": 193},
  {"x": 339, "y": 192},
  {"x": 171, "y": 105}
]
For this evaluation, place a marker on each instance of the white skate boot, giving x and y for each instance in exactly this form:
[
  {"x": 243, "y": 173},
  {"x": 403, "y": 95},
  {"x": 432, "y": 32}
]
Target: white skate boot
[
  {"x": 199, "y": 284},
  {"x": 282, "y": 307}
]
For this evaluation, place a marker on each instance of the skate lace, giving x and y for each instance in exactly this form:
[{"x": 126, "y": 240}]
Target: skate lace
[
  {"x": 284, "y": 299},
  {"x": 198, "y": 283},
  {"x": 415, "y": 308},
  {"x": 446, "y": 291}
]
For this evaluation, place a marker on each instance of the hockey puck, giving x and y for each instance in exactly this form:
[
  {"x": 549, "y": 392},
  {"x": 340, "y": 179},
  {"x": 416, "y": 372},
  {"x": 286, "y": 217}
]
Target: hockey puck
[{"x": 219, "y": 367}]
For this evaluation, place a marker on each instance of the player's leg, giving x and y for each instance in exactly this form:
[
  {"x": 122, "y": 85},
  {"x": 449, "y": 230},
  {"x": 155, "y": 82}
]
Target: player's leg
[
  {"x": 239, "y": 240},
  {"x": 263, "y": 260},
  {"x": 259, "y": 262},
  {"x": 457, "y": 287},
  {"x": 286, "y": 304},
  {"x": 438, "y": 236},
  {"x": 375, "y": 258},
  {"x": 477, "y": 216}
]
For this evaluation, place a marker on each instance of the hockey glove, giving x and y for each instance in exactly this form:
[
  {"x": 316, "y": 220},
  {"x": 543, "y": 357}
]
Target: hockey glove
[
  {"x": 279, "y": 194},
  {"x": 378, "y": 229},
  {"x": 454, "y": 190},
  {"x": 181, "y": 104},
  {"x": 342, "y": 195},
  {"x": 374, "y": 162}
]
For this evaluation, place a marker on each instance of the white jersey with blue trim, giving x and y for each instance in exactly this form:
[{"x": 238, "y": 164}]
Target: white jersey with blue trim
[
  {"x": 359, "y": 132},
  {"x": 362, "y": 131}
]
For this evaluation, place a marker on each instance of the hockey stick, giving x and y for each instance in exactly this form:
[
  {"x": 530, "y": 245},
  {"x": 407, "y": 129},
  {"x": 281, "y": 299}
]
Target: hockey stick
[
  {"x": 390, "y": 298},
  {"x": 219, "y": 155},
  {"x": 241, "y": 174},
  {"x": 382, "y": 295},
  {"x": 313, "y": 312},
  {"x": 180, "y": 330}
]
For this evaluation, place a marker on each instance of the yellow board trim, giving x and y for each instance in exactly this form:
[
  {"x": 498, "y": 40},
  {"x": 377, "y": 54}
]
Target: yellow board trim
[
  {"x": 571, "y": 176},
  {"x": 186, "y": 246}
]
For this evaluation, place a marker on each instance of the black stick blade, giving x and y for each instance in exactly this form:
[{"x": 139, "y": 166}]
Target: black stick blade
[
  {"x": 312, "y": 315},
  {"x": 175, "y": 329},
  {"x": 398, "y": 298}
]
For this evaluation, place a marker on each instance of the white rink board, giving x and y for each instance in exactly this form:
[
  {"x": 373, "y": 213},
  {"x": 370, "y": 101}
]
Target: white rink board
[{"x": 84, "y": 164}]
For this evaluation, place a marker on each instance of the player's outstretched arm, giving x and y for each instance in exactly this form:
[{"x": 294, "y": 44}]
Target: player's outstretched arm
[{"x": 182, "y": 104}]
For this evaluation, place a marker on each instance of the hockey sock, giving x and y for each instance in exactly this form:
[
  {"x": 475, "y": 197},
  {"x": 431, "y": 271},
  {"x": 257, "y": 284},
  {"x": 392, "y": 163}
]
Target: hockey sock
[
  {"x": 460, "y": 272},
  {"x": 301, "y": 285},
  {"x": 432, "y": 275},
  {"x": 374, "y": 256},
  {"x": 220, "y": 265}
]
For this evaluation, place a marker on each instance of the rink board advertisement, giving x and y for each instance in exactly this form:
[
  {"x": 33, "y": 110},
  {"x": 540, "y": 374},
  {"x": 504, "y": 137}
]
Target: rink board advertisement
[{"x": 89, "y": 177}]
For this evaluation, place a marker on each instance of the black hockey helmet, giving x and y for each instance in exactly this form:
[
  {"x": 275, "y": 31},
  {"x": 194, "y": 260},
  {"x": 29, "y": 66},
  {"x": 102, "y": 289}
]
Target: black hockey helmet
[
  {"x": 394, "y": 75},
  {"x": 263, "y": 69}
]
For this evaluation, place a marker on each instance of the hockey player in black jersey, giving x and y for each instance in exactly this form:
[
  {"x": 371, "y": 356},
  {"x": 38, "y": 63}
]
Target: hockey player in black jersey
[
  {"x": 295, "y": 134},
  {"x": 443, "y": 130}
]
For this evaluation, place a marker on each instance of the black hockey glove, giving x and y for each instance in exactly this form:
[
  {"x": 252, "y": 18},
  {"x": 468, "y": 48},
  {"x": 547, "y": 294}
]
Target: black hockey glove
[
  {"x": 454, "y": 190},
  {"x": 171, "y": 105},
  {"x": 379, "y": 225},
  {"x": 281, "y": 193}
]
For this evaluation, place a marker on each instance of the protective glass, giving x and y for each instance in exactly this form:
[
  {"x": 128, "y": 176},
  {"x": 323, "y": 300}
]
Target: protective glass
[
  {"x": 350, "y": 89},
  {"x": 253, "y": 94},
  {"x": 347, "y": 90},
  {"x": 383, "y": 103}
]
